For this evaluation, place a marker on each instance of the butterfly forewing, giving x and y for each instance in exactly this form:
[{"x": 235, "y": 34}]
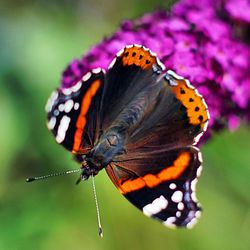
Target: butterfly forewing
[
  {"x": 73, "y": 113},
  {"x": 133, "y": 70}
]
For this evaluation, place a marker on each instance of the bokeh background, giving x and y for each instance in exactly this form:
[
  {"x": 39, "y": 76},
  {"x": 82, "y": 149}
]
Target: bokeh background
[{"x": 37, "y": 40}]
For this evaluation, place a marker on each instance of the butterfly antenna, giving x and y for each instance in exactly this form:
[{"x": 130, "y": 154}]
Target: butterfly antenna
[
  {"x": 38, "y": 178},
  {"x": 100, "y": 231}
]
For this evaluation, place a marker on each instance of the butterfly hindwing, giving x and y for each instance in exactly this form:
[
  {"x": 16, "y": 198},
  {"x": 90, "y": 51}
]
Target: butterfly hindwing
[
  {"x": 162, "y": 185},
  {"x": 73, "y": 113}
]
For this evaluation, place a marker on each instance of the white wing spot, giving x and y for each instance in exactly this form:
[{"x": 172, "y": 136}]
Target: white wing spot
[
  {"x": 199, "y": 171},
  {"x": 170, "y": 222},
  {"x": 172, "y": 186},
  {"x": 138, "y": 46},
  {"x": 156, "y": 206},
  {"x": 197, "y": 138},
  {"x": 206, "y": 123},
  {"x": 52, "y": 122},
  {"x": 51, "y": 101},
  {"x": 56, "y": 112},
  {"x": 191, "y": 223},
  {"x": 67, "y": 91},
  {"x": 177, "y": 196},
  {"x": 160, "y": 64},
  {"x": 62, "y": 129},
  {"x": 76, "y": 106},
  {"x": 180, "y": 206},
  {"x": 172, "y": 73},
  {"x": 119, "y": 53},
  {"x": 68, "y": 105},
  {"x": 198, "y": 214},
  {"x": 178, "y": 214},
  {"x": 193, "y": 196},
  {"x": 61, "y": 107},
  {"x": 97, "y": 70},
  {"x": 86, "y": 77},
  {"x": 76, "y": 87},
  {"x": 193, "y": 184},
  {"x": 112, "y": 63},
  {"x": 200, "y": 157}
]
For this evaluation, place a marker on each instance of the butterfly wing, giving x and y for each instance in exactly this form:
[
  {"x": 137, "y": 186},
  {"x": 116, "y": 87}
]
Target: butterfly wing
[
  {"x": 73, "y": 113},
  {"x": 133, "y": 69},
  {"x": 162, "y": 185},
  {"x": 159, "y": 168},
  {"x": 179, "y": 118},
  {"x": 172, "y": 105}
]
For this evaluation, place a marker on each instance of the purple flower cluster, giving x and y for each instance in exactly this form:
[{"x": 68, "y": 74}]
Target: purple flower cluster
[{"x": 203, "y": 40}]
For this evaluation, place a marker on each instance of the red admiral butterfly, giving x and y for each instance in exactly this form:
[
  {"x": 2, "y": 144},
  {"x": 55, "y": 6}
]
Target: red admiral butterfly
[{"x": 140, "y": 124}]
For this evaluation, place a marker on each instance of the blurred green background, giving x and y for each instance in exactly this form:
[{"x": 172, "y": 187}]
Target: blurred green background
[{"x": 37, "y": 40}]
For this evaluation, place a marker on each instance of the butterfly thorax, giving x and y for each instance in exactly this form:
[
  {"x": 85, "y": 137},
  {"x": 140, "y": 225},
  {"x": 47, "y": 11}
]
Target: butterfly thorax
[{"x": 108, "y": 146}]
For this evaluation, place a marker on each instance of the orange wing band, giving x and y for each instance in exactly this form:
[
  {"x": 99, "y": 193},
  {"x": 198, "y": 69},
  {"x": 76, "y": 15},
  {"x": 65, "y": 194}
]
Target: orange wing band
[
  {"x": 196, "y": 107},
  {"x": 150, "y": 180},
  {"x": 81, "y": 121},
  {"x": 138, "y": 56}
]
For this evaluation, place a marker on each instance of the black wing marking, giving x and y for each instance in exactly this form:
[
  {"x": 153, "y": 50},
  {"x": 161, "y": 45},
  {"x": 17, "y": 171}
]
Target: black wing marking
[{"x": 73, "y": 113}]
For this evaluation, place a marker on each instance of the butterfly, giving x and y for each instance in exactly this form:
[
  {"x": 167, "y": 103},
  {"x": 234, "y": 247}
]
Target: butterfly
[{"x": 140, "y": 123}]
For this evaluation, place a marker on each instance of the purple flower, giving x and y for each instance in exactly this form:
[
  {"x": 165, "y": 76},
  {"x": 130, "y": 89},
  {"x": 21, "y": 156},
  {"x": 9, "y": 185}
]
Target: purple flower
[
  {"x": 233, "y": 122},
  {"x": 202, "y": 40},
  {"x": 239, "y": 11}
]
